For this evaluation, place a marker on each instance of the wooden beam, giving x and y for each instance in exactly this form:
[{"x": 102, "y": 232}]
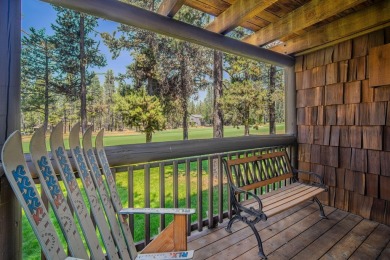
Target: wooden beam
[
  {"x": 170, "y": 7},
  {"x": 366, "y": 20},
  {"x": 299, "y": 19},
  {"x": 134, "y": 16},
  {"x": 237, "y": 13}
]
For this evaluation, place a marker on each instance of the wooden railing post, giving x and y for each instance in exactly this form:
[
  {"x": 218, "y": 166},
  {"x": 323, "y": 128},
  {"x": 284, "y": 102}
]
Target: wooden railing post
[{"x": 10, "y": 211}]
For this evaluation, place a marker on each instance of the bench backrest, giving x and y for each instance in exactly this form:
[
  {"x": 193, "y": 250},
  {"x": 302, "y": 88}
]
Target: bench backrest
[{"x": 257, "y": 171}]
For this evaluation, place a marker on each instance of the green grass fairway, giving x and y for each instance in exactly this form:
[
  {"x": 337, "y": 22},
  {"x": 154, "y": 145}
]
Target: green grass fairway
[{"x": 171, "y": 135}]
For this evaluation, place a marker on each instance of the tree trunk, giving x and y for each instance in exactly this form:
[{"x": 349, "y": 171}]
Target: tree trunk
[
  {"x": 184, "y": 98},
  {"x": 246, "y": 121},
  {"x": 185, "y": 118},
  {"x": 218, "y": 92},
  {"x": 271, "y": 102},
  {"x": 46, "y": 122},
  {"x": 149, "y": 136},
  {"x": 65, "y": 119},
  {"x": 83, "y": 94},
  {"x": 246, "y": 125}
]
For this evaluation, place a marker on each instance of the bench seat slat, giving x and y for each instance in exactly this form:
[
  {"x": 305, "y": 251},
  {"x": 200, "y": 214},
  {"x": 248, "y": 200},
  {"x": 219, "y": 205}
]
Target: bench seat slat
[
  {"x": 294, "y": 202},
  {"x": 281, "y": 192},
  {"x": 287, "y": 195}
]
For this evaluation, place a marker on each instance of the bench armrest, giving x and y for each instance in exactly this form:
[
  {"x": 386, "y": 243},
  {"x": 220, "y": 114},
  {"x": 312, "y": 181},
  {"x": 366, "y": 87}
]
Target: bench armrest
[
  {"x": 250, "y": 210},
  {"x": 320, "y": 179},
  {"x": 175, "y": 211}
]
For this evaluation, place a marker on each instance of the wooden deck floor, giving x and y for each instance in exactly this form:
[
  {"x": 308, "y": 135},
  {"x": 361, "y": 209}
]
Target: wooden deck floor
[{"x": 298, "y": 233}]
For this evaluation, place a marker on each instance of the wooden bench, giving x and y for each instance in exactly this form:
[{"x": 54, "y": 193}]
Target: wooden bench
[
  {"x": 114, "y": 231},
  {"x": 273, "y": 173}
]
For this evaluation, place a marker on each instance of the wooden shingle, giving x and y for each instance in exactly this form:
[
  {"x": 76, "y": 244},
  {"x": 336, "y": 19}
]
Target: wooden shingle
[
  {"x": 352, "y": 92},
  {"x": 372, "y": 137},
  {"x": 334, "y": 94},
  {"x": 372, "y": 185},
  {"x": 384, "y": 189}
]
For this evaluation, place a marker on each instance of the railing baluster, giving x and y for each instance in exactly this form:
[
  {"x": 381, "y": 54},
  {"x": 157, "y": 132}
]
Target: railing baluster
[
  {"x": 130, "y": 181},
  {"x": 175, "y": 184},
  {"x": 200, "y": 204},
  {"x": 220, "y": 189},
  {"x": 230, "y": 214},
  {"x": 211, "y": 191},
  {"x": 147, "y": 201},
  {"x": 162, "y": 194},
  {"x": 188, "y": 193},
  {"x": 45, "y": 201}
]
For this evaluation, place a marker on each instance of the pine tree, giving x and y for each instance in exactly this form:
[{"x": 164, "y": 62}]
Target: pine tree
[
  {"x": 77, "y": 52},
  {"x": 241, "y": 101},
  {"x": 37, "y": 66},
  {"x": 109, "y": 91}
]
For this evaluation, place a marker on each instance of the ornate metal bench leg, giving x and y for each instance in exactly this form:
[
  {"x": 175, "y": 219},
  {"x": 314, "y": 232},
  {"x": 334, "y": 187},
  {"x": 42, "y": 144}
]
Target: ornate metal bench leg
[
  {"x": 259, "y": 243},
  {"x": 229, "y": 225},
  {"x": 321, "y": 208}
]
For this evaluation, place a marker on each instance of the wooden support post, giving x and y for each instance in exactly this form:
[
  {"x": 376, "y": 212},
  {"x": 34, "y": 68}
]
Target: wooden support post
[{"x": 10, "y": 212}]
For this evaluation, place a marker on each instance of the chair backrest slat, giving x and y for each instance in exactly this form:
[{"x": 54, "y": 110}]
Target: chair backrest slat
[
  {"x": 20, "y": 179},
  {"x": 49, "y": 183},
  {"x": 74, "y": 193},
  {"x": 102, "y": 158},
  {"x": 105, "y": 198}
]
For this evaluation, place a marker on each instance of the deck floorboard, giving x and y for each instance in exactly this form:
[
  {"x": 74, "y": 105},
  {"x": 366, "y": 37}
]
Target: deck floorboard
[{"x": 297, "y": 233}]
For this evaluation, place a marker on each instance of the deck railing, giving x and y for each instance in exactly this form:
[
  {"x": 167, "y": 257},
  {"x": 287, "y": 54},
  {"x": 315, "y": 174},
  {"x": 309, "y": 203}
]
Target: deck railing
[{"x": 183, "y": 174}]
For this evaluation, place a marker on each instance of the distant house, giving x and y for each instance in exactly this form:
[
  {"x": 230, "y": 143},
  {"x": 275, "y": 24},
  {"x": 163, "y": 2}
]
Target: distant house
[{"x": 196, "y": 120}]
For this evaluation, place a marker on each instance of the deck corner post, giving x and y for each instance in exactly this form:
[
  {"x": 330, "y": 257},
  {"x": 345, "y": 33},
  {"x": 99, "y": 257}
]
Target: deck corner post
[
  {"x": 290, "y": 109},
  {"x": 10, "y": 49}
]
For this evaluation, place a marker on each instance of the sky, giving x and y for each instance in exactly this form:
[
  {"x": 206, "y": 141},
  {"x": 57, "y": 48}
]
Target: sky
[{"x": 40, "y": 15}]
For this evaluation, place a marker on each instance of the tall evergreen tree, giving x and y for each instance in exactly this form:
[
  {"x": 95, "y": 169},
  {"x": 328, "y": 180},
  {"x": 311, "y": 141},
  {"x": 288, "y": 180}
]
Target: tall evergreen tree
[
  {"x": 270, "y": 100},
  {"x": 241, "y": 101},
  {"x": 109, "y": 91},
  {"x": 37, "y": 66},
  {"x": 95, "y": 106},
  {"x": 144, "y": 48},
  {"x": 218, "y": 93},
  {"x": 77, "y": 52}
]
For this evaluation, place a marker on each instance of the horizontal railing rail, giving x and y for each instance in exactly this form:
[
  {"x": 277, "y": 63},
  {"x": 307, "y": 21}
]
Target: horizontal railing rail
[{"x": 138, "y": 153}]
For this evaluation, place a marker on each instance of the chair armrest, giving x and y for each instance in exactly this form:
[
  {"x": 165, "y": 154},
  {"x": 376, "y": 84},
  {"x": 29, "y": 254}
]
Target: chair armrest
[
  {"x": 169, "y": 255},
  {"x": 175, "y": 211}
]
